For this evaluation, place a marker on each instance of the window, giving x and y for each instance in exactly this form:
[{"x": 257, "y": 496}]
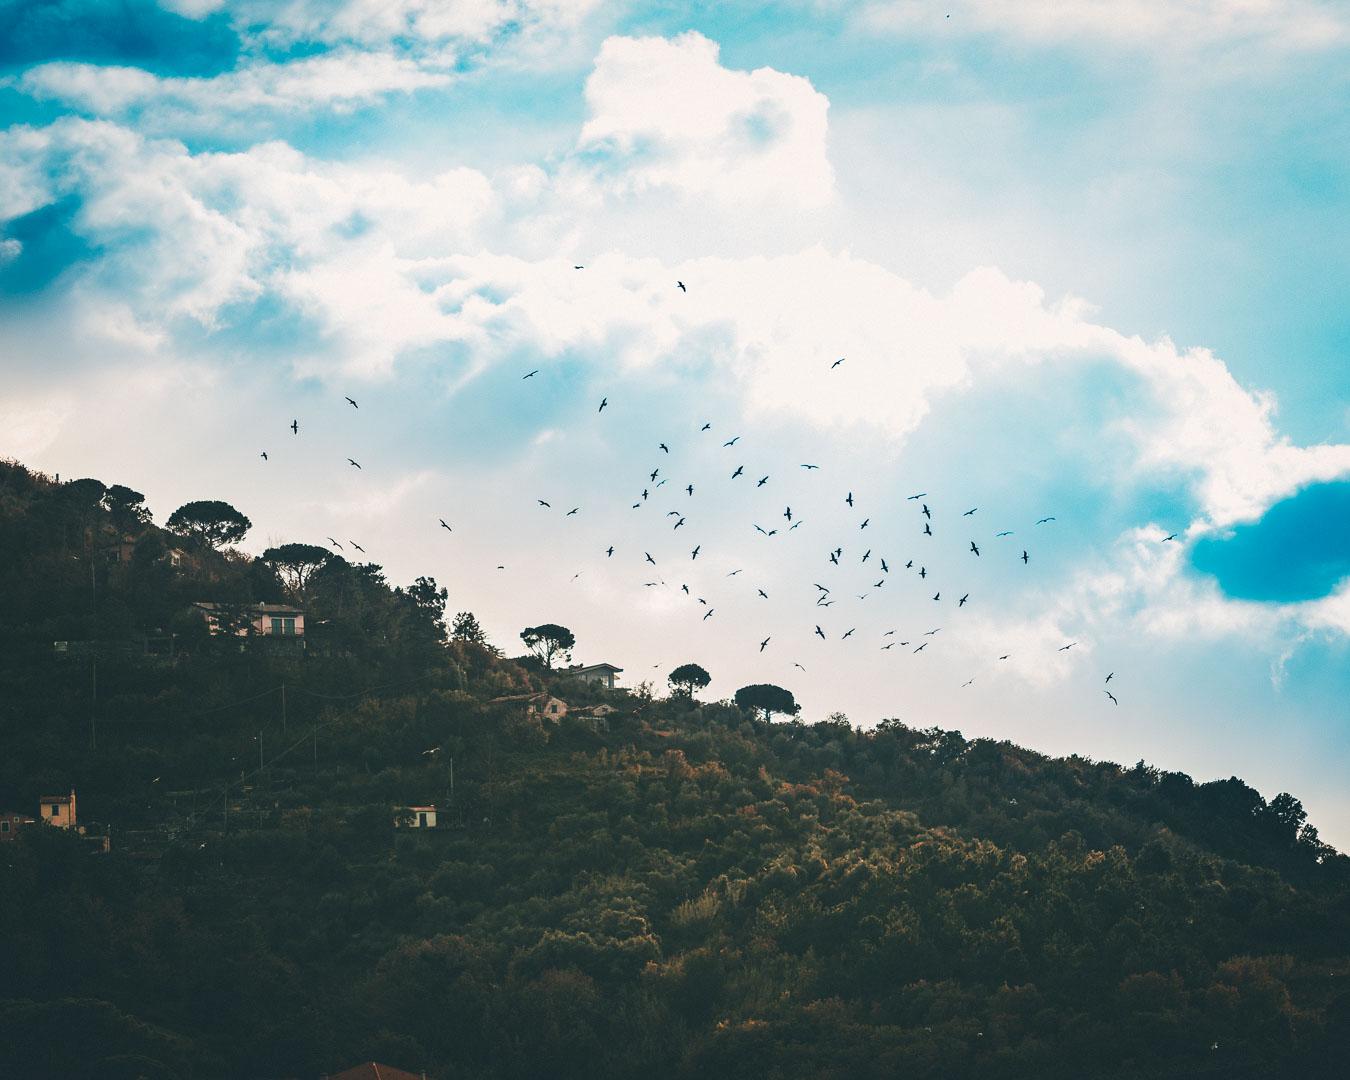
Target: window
[
  {"x": 553, "y": 708},
  {"x": 283, "y": 627},
  {"x": 4, "y": 826},
  {"x": 56, "y": 809}
]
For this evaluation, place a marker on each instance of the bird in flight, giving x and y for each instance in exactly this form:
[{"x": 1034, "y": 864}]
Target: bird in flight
[
  {"x": 911, "y": 498},
  {"x": 1111, "y": 676},
  {"x": 935, "y": 630},
  {"x": 1025, "y": 558},
  {"x": 884, "y": 568},
  {"x": 764, "y": 643},
  {"x": 848, "y": 634},
  {"x": 664, "y": 447},
  {"x": 937, "y": 595},
  {"x": 1005, "y": 656},
  {"x": 820, "y": 632},
  {"x": 609, "y": 551},
  {"x": 865, "y": 523},
  {"x": 927, "y": 529},
  {"x": 705, "y": 427},
  {"x": 962, "y": 601},
  {"x": 732, "y": 441},
  {"x": 970, "y": 511},
  {"x": 678, "y": 523},
  {"x": 351, "y": 461},
  {"x": 1042, "y": 521},
  {"x": 810, "y": 466},
  {"x": 1007, "y": 533},
  {"x": 836, "y": 363},
  {"x": 849, "y": 498},
  {"x": 1066, "y": 648},
  {"x": 542, "y": 503},
  {"x": 335, "y": 543},
  {"x": 762, "y": 481},
  {"x": 572, "y": 511},
  {"x": 649, "y": 558},
  {"x": 680, "y": 286},
  {"x": 445, "y": 526},
  {"x": 708, "y": 614},
  {"x": 834, "y": 558},
  {"x": 967, "y": 683},
  {"x": 603, "y": 403},
  {"x": 575, "y": 267},
  {"x": 357, "y": 546},
  {"x": 690, "y": 489},
  {"x": 922, "y": 647},
  {"x": 733, "y": 573},
  {"x": 762, "y": 593},
  {"x": 923, "y": 571},
  {"x": 353, "y": 404},
  {"x": 1111, "y": 696},
  {"x": 295, "y": 427},
  {"x": 1167, "y": 538},
  {"x": 694, "y": 554},
  {"x": 263, "y": 455},
  {"x": 653, "y": 475},
  {"x": 891, "y": 645},
  {"x": 974, "y": 548},
  {"x": 867, "y": 555},
  {"x": 739, "y": 469},
  {"x": 531, "y": 375},
  {"x": 787, "y": 513}
]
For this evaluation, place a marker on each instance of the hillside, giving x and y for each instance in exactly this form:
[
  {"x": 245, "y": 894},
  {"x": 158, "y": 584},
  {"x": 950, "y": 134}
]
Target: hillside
[{"x": 676, "y": 888}]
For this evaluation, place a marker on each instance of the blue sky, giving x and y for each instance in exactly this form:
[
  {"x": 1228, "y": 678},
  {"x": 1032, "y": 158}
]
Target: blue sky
[{"x": 1085, "y": 261}]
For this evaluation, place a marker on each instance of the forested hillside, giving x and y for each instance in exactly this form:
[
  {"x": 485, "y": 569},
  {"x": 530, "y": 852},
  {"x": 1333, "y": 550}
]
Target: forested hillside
[{"x": 678, "y": 888}]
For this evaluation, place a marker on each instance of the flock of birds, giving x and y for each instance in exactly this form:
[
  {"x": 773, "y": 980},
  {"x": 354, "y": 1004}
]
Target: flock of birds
[{"x": 824, "y": 594}]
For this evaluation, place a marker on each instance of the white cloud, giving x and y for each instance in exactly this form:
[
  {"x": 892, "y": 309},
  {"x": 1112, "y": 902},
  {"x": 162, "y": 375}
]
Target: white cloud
[
  {"x": 665, "y": 114},
  {"x": 340, "y": 80},
  {"x": 1171, "y": 25}
]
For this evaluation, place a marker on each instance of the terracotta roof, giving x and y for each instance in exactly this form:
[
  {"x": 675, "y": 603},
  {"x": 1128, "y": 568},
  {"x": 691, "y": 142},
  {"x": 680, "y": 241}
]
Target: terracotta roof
[
  {"x": 579, "y": 668},
  {"x": 373, "y": 1070},
  {"x": 266, "y": 609}
]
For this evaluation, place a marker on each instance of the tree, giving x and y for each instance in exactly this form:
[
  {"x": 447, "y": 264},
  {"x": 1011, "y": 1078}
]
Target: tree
[
  {"x": 687, "y": 678},
  {"x": 429, "y": 600},
  {"x": 772, "y": 699},
  {"x": 548, "y": 641},
  {"x": 211, "y": 521},
  {"x": 465, "y": 628},
  {"x": 296, "y": 563},
  {"x": 127, "y": 507}
]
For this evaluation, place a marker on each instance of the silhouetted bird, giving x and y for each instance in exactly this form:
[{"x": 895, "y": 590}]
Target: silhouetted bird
[
  {"x": 837, "y": 363},
  {"x": 690, "y": 489},
  {"x": 664, "y": 447},
  {"x": 810, "y": 466},
  {"x": 353, "y": 404},
  {"x": 1111, "y": 676},
  {"x": 974, "y": 548},
  {"x": 705, "y": 427},
  {"x": 927, "y": 529},
  {"x": 572, "y": 511},
  {"x": 962, "y": 601},
  {"x": 1025, "y": 558},
  {"x": 680, "y": 285},
  {"x": 352, "y": 462},
  {"x": 295, "y": 427},
  {"x": 542, "y": 503},
  {"x": 764, "y": 643},
  {"x": 445, "y": 526},
  {"x": 609, "y": 551},
  {"x": 649, "y": 558},
  {"x": 1167, "y": 538},
  {"x": 1066, "y": 648},
  {"x": 762, "y": 593},
  {"x": 708, "y": 614},
  {"x": 820, "y": 632},
  {"x": 732, "y": 442},
  {"x": 1042, "y": 521},
  {"x": 970, "y": 511},
  {"x": 603, "y": 403},
  {"x": 1111, "y": 696},
  {"x": 848, "y": 634},
  {"x": 263, "y": 455},
  {"x": 357, "y": 546},
  {"x": 762, "y": 481},
  {"x": 531, "y": 375},
  {"x": 739, "y": 469},
  {"x": 335, "y": 543},
  {"x": 849, "y": 498},
  {"x": 1007, "y": 533},
  {"x": 922, "y": 647},
  {"x": 926, "y": 512},
  {"x": 911, "y": 498}
]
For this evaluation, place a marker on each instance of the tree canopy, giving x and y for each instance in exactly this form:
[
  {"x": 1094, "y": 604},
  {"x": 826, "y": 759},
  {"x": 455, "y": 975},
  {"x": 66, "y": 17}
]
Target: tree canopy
[
  {"x": 687, "y": 678},
  {"x": 768, "y": 698},
  {"x": 210, "y": 521},
  {"x": 296, "y": 564},
  {"x": 548, "y": 642}
]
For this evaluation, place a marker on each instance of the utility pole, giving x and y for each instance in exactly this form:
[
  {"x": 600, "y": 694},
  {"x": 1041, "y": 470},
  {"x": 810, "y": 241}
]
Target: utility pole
[
  {"x": 283, "y": 708},
  {"x": 93, "y": 703}
]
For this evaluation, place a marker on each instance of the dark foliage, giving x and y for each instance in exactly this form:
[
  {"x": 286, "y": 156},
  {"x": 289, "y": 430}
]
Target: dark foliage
[{"x": 685, "y": 891}]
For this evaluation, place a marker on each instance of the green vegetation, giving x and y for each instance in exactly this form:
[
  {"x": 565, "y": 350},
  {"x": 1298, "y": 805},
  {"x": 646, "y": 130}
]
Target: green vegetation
[
  {"x": 688, "y": 890},
  {"x": 549, "y": 642}
]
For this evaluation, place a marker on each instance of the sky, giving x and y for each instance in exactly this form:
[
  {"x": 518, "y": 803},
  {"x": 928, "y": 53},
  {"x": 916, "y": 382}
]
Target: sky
[{"x": 1081, "y": 260}]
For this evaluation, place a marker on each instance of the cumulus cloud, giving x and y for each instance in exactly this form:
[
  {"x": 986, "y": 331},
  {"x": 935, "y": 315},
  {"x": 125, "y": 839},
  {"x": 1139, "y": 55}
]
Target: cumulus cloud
[
  {"x": 665, "y": 114},
  {"x": 1287, "y": 25}
]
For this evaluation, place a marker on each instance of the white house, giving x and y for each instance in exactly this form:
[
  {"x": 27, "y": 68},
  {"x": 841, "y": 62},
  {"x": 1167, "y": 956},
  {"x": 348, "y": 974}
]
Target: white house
[
  {"x": 547, "y": 708},
  {"x": 416, "y": 817},
  {"x": 594, "y": 673},
  {"x": 58, "y": 810}
]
